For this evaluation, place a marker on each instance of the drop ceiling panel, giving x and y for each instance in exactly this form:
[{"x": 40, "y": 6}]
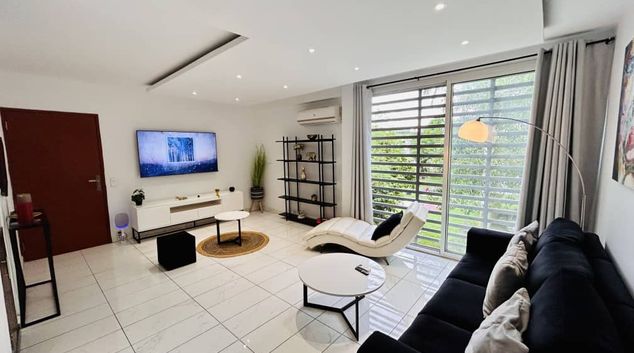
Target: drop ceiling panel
[
  {"x": 114, "y": 41},
  {"x": 133, "y": 42}
]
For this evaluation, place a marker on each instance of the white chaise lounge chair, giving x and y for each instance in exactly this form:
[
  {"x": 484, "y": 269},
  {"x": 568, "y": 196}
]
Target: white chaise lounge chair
[{"x": 356, "y": 235}]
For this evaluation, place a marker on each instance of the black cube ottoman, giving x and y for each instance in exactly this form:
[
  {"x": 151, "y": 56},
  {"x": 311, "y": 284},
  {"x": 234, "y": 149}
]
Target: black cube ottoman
[{"x": 176, "y": 250}]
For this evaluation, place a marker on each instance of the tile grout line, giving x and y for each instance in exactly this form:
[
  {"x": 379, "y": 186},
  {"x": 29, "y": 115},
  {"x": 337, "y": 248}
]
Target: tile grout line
[
  {"x": 195, "y": 301},
  {"x": 174, "y": 324},
  {"x": 255, "y": 285},
  {"x": 292, "y": 305},
  {"x": 65, "y": 332},
  {"x": 91, "y": 341},
  {"x": 156, "y": 313},
  {"x": 335, "y": 340},
  {"x": 425, "y": 291},
  {"x": 110, "y": 306},
  {"x": 372, "y": 304},
  {"x": 295, "y": 255},
  {"x": 100, "y": 337}
]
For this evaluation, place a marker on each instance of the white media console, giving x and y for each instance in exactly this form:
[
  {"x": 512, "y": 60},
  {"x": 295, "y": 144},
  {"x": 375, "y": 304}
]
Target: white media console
[{"x": 158, "y": 217}]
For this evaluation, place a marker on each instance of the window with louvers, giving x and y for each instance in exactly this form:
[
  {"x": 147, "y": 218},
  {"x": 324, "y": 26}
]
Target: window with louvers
[
  {"x": 486, "y": 179},
  {"x": 481, "y": 187},
  {"x": 408, "y": 137}
]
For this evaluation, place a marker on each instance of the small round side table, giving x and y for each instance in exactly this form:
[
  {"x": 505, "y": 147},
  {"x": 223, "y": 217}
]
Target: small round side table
[{"x": 228, "y": 217}]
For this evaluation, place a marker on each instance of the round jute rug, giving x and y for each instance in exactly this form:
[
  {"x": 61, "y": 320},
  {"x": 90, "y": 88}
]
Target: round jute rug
[{"x": 251, "y": 242}]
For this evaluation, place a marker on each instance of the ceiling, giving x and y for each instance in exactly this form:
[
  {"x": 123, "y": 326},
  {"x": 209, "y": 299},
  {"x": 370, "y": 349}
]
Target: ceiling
[
  {"x": 565, "y": 17},
  {"x": 134, "y": 42}
]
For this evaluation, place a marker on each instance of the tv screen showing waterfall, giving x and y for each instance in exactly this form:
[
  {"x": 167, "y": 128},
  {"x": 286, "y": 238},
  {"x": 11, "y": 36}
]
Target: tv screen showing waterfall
[{"x": 174, "y": 152}]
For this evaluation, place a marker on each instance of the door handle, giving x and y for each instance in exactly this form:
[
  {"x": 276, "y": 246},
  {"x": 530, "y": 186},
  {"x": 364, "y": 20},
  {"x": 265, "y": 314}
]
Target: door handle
[{"x": 96, "y": 180}]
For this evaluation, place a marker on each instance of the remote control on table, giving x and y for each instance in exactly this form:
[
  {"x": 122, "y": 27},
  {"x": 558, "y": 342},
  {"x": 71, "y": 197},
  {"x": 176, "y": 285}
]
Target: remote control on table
[{"x": 362, "y": 269}]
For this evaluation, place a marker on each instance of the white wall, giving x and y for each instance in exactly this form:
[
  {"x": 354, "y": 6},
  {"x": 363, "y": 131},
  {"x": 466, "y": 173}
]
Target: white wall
[
  {"x": 278, "y": 119},
  {"x": 615, "y": 221},
  {"x": 122, "y": 111}
]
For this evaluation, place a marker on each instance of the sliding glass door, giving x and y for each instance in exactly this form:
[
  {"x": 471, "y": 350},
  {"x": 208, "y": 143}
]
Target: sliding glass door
[
  {"x": 416, "y": 155},
  {"x": 408, "y": 139}
]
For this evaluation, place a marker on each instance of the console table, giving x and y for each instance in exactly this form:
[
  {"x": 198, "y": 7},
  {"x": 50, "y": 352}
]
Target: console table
[
  {"x": 39, "y": 222},
  {"x": 159, "y": 217}
]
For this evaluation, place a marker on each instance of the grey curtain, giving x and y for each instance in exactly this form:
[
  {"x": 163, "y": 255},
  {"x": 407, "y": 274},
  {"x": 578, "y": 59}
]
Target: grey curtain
[
  {"x": 571, "y": 88},
  {"x": 361, "y": 193}
]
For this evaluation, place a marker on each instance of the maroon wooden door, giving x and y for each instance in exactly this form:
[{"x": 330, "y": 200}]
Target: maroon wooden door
[{"x": 56, "y": 157}]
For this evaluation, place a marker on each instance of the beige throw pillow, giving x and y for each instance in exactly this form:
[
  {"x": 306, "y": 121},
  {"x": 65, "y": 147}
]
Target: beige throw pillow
[
  {"x": 507, "y": 276},
  {"x": 502, "y": 330},
  {"x": 528, "y": 235}
]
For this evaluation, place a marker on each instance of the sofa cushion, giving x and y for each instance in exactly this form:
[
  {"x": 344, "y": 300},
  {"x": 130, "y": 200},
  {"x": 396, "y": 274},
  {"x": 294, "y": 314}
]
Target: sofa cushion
[
  {"x": 457, "y": 302},
  {"x": 386, "y": 227},
  {"x": 473, "y": 269},
  {"x": 507, "y": 276},
  {"x": 380, "y": 342},
  {"x": 568, "y": 315},
  {"x": 527, "y": 235},
  {"x": 616, "y": 296},
  {"x": 593, "y": 248},
  {"x": 560, "y": 247},
  {"x": 430, "y": 334},
  {"x": 502, "y": 330},
  {"x": 560, "y": 230},
  {"x": 623, "y": 316}
]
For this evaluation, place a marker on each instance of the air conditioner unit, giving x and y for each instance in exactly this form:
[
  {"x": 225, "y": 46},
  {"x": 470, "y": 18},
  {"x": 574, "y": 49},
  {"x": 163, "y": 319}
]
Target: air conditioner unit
[{"x": 327, "y": 115}]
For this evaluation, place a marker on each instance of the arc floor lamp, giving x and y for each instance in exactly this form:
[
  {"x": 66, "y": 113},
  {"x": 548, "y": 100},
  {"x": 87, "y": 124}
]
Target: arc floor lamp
[{"x": 477, "y": 131}]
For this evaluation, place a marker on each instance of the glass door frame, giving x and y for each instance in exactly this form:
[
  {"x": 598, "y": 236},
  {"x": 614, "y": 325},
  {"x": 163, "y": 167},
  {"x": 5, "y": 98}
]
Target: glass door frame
[{"x": 520, "y": 66}]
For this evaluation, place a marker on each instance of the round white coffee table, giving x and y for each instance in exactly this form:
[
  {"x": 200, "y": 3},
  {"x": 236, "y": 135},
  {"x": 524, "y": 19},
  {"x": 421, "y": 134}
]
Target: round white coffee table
[
  {"x": 227, "y": 217},
  {"x": 335, "y": 274}
]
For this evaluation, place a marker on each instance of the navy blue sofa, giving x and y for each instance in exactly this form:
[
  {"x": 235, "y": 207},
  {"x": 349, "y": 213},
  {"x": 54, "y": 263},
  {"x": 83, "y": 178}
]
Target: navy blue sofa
[{"x": 579, "y": 302}]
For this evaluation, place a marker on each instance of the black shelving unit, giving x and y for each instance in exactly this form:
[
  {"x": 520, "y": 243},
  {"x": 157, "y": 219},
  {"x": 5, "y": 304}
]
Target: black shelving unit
[{"x": 325, "y": 162}]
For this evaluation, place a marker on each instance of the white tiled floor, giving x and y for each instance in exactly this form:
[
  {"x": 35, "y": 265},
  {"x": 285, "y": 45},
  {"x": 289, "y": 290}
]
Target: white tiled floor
[{"x": 116, "y": 299}]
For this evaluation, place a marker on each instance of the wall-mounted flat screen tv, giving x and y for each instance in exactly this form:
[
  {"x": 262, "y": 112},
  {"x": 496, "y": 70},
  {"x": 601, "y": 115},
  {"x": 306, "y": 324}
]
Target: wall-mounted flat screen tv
[{"x": 176, "y": 152}]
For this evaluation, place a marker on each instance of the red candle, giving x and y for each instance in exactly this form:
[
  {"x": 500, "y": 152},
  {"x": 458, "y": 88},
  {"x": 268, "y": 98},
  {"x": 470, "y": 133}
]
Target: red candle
[{"x": 24, "y": 209}]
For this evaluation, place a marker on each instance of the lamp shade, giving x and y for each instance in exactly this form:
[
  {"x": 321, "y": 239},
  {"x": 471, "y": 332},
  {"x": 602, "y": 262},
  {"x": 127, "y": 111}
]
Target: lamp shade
[{"x": 476, "y": 131}]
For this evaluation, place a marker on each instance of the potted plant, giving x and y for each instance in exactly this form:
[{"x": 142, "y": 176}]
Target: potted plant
[
  {"x": 259, "y": 163},
  {"x": 138, "y": 196}
]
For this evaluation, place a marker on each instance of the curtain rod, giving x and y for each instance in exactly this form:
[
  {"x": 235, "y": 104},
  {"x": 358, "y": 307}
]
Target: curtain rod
[{"x": 605, "y": 40}]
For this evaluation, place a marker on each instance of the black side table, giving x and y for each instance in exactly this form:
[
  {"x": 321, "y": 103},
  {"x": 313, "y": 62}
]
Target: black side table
[{"x": 39, "y": 222}]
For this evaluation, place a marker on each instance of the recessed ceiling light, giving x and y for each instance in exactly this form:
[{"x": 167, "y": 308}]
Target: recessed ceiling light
[
  {"x": 356, "y": 68},
  {"x": 239, "y": 77},
  {"x": 311, "y": 50},
  {"x": 194, "y": 92},
  {"x": 237, "y": 99},
  {"x": 465, "y": 42},
  {"x": 440, "y": 6},
  {"x": 285, "y": 86}
]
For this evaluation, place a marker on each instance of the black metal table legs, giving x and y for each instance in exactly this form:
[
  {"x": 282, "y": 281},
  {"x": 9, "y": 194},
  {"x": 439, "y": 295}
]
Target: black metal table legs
[
  {"x": 342, "y": 310},
  {"x": 21, "y": 283},
  {"x": 237, "y": 240}
]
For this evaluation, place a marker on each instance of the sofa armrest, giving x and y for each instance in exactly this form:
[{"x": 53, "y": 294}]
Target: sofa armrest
[
  {"x": 487, "y": 243},
  {"x": 381, "y": 343}
]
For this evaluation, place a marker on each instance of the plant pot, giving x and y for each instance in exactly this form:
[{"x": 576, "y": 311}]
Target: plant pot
[
  {"x": 257, "y": 193},
  {"x": 138, "y": 202}
]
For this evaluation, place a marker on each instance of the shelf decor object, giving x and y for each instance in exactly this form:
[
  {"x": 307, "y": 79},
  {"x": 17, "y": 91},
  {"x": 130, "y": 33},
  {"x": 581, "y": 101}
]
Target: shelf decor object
[{"x": 318, "y": 188}]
